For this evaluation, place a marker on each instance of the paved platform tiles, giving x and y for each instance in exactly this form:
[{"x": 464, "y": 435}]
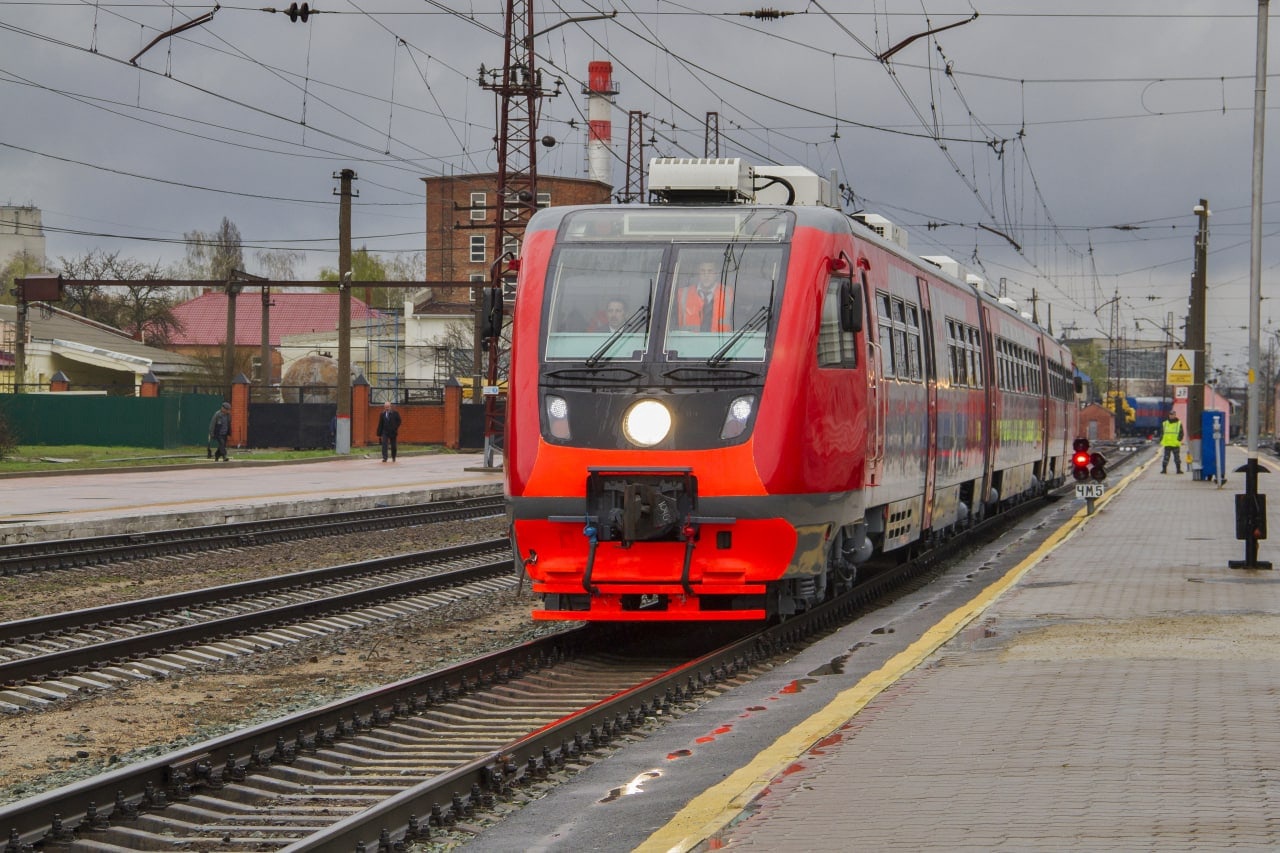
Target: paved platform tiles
[
  {"x": 98, "y": 504},
  {"x": 1123, "y": 695}
]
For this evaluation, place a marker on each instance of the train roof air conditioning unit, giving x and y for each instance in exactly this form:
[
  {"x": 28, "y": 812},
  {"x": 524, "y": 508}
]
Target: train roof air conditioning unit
[
  {"x": 883, "y": 227},
  {"x": 792, "y": 185},
  {"x": 701, "y": 180}
]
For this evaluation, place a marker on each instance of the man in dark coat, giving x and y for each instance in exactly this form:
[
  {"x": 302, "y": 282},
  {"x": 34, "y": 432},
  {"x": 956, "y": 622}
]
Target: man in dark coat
[
  {"x": 219, "y": 430},
  {"x": 388, "y": 427}
]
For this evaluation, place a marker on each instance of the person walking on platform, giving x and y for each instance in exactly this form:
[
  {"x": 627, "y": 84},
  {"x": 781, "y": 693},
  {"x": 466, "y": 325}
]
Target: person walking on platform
[
  {"x": 1171, "y": 441},
  {"x": 220, "y": 430},
  {"x": 388, "y": 428}
]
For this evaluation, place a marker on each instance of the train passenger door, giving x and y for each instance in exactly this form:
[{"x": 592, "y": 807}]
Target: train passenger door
[
  {"x": 991, "y": 430},
  {"x": 877, "y": 399},
  {"x": 929, "y": 369},
  {"x": 1046, "y": 400}
]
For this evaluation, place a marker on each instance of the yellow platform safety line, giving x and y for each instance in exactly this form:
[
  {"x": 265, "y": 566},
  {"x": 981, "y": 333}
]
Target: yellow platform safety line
[{"x": 715, "y": 808}]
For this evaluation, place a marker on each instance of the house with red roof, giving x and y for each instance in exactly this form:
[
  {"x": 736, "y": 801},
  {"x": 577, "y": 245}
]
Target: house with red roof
[{"x": 203, "y": 324}]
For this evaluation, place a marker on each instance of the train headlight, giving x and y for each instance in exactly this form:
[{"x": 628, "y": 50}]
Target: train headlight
[
  {"x": 557, "y": 416},
  {"x": 646, "y": 423},
  {"x": 735, "y": 420}
]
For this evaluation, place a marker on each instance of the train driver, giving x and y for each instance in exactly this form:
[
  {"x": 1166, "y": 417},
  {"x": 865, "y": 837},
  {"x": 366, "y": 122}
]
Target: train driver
[
  {"x": 612, "y": 318},
  {"x": 706, "y": 302}
]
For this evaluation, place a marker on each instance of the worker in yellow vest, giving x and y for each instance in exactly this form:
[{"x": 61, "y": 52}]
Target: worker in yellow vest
[{"x": 1171, "y": 441}]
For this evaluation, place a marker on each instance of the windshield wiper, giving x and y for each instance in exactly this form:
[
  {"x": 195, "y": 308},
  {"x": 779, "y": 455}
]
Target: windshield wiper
[
  {"x": 637, "y": 321},
  {"x": 758, "y": 320}
]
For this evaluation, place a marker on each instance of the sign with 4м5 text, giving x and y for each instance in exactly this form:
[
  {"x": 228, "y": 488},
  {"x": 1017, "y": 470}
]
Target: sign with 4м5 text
[{"x": 1090, "y": 491}]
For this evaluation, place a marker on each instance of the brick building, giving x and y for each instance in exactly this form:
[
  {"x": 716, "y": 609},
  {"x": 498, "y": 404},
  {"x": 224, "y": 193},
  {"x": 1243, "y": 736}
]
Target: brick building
[{"x": 460, "y": 223}]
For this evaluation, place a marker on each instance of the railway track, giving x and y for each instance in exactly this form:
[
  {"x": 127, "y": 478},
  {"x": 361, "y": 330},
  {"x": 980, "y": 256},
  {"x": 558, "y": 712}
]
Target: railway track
[
  {"x": 92, "y": 649},
  {"x": 70, "y": 553},
  {"x": 397, "y": 764},
  {"x": 409, "y": 760},
  {"x": 440, "y": 746}
]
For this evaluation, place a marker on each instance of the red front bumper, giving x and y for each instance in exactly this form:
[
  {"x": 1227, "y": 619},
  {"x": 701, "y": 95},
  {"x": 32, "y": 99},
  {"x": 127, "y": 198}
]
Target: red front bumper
[{"x": 728, "y": 571}]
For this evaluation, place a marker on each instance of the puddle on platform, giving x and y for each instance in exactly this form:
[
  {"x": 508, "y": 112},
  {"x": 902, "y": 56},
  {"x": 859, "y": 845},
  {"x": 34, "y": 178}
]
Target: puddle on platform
[
  {"x": 798, "y": 685},
  {"x": 834, "y": 667},
  {"x": 635, "y": 786},
  {"x": 722, "y": 730}
]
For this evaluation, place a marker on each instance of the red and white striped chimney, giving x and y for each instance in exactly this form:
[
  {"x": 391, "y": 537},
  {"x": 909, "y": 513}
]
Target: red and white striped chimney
[{"x": 600, "y": 91}]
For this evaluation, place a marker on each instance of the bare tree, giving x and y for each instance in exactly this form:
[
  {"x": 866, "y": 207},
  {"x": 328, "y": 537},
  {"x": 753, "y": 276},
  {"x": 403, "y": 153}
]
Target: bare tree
[
  {"x": 146, "y": 312},
  {"x": 93, "y": 300},
  {"x": 139, "y": 309},
  {"x": 215, "y": 255},
  {"x": 279, "y": 264}
]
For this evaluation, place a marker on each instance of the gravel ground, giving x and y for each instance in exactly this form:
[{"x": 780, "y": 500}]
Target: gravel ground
[{"x": 81, "y": 737}]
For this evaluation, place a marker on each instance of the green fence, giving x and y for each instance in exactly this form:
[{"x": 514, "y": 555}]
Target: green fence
[{"x": 97, "y": 421}]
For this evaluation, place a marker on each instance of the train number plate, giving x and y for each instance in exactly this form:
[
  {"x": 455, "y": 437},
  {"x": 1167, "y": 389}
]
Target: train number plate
[{"x": 1089, "y": 490}]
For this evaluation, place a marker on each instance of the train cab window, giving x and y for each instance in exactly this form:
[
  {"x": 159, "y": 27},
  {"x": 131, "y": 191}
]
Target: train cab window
[
  {"x": 721, "y": 302},
  {"x": 600, "y": 302},
  {"x": 836, "y": 348}
]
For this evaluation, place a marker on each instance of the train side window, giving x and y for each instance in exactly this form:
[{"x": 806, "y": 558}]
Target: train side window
[
  {"x": 976, "y": 357},
  {"x": 913, "y": 343},
  {"x": 953, "y": 354},
  {"x": 836, "y": 348},
  {"x": 900, "y": 368},
  {"x": 884, "y": 333}
]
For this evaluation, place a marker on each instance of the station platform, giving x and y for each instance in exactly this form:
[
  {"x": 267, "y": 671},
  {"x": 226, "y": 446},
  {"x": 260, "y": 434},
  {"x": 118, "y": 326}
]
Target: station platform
[
  {"x": 104, "y": 502},
  {"x": 1091, "y": 682}
]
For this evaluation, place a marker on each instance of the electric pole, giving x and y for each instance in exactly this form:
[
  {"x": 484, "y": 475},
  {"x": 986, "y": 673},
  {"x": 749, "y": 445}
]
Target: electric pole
[
  {"x": 518, "y": 85},
  {"x": 1115, "y": 366},
  {"x": 633, "y": 186},
  {"x": 1195, "y": 333},
  {"x": 233, "y": 289},
  {"x": 711, "y": 137},
  {"x": 342, "y": 436}
]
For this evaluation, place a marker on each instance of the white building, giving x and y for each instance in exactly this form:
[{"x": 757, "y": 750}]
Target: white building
[{"x": 20, "y": 231}]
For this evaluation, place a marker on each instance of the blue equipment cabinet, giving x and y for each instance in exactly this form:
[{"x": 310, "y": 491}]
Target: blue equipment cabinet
[{"x": 1213, "y": 444}]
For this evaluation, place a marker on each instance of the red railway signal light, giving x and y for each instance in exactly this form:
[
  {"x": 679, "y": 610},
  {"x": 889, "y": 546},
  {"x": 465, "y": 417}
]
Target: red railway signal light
[
  {"x": 1080, "y": 459},
  {"x": 1085, "y": 465}
]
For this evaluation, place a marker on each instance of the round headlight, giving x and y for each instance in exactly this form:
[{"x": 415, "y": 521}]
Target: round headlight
[
  {"x": 735, "y": 420},
  {"x": 646, "y": 423}
]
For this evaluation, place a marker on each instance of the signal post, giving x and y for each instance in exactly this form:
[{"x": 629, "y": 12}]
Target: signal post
[{"x": 1089, "y": 468}]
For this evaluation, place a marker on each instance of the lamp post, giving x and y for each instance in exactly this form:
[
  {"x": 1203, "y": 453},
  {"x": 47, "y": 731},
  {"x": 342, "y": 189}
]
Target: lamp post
[{"x": 1251, "y": 507}]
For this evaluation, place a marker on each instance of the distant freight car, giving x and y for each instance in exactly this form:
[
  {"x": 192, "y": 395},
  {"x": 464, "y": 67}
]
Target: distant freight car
[{"x": 1148, "y": 413}]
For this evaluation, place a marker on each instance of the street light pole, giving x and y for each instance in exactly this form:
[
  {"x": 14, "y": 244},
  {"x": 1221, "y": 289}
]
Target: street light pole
[{"x": 1251, "y": 507}]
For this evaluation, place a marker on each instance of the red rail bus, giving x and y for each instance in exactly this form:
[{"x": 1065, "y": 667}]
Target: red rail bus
[{"x": 834, "y": 398}]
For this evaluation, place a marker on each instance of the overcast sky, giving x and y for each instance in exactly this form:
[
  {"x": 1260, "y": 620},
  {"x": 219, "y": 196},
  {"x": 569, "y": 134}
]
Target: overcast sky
[{"x": 1061, "y": 151}]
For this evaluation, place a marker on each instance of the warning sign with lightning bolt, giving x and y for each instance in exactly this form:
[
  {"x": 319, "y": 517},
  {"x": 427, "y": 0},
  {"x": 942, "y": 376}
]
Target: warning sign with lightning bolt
[{"x": 1180, "y": 367}]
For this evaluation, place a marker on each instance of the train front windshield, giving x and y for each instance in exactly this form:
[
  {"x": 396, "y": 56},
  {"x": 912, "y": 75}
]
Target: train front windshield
[{"x": 666, "y": 284}]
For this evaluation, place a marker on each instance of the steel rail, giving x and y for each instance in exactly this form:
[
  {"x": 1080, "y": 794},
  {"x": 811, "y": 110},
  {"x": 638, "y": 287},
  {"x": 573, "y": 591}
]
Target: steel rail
[
  {"x": 113, "y": 652},
  {"x": 37, "y": 627},
  {"x": 95, "y": 550}
]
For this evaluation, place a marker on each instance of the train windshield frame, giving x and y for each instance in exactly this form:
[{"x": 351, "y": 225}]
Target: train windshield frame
[{"x": 624, "y": 286}]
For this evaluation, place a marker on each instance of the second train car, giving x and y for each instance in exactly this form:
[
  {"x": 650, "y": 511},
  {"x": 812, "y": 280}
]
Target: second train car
[{"x": 738, "y": 459}]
